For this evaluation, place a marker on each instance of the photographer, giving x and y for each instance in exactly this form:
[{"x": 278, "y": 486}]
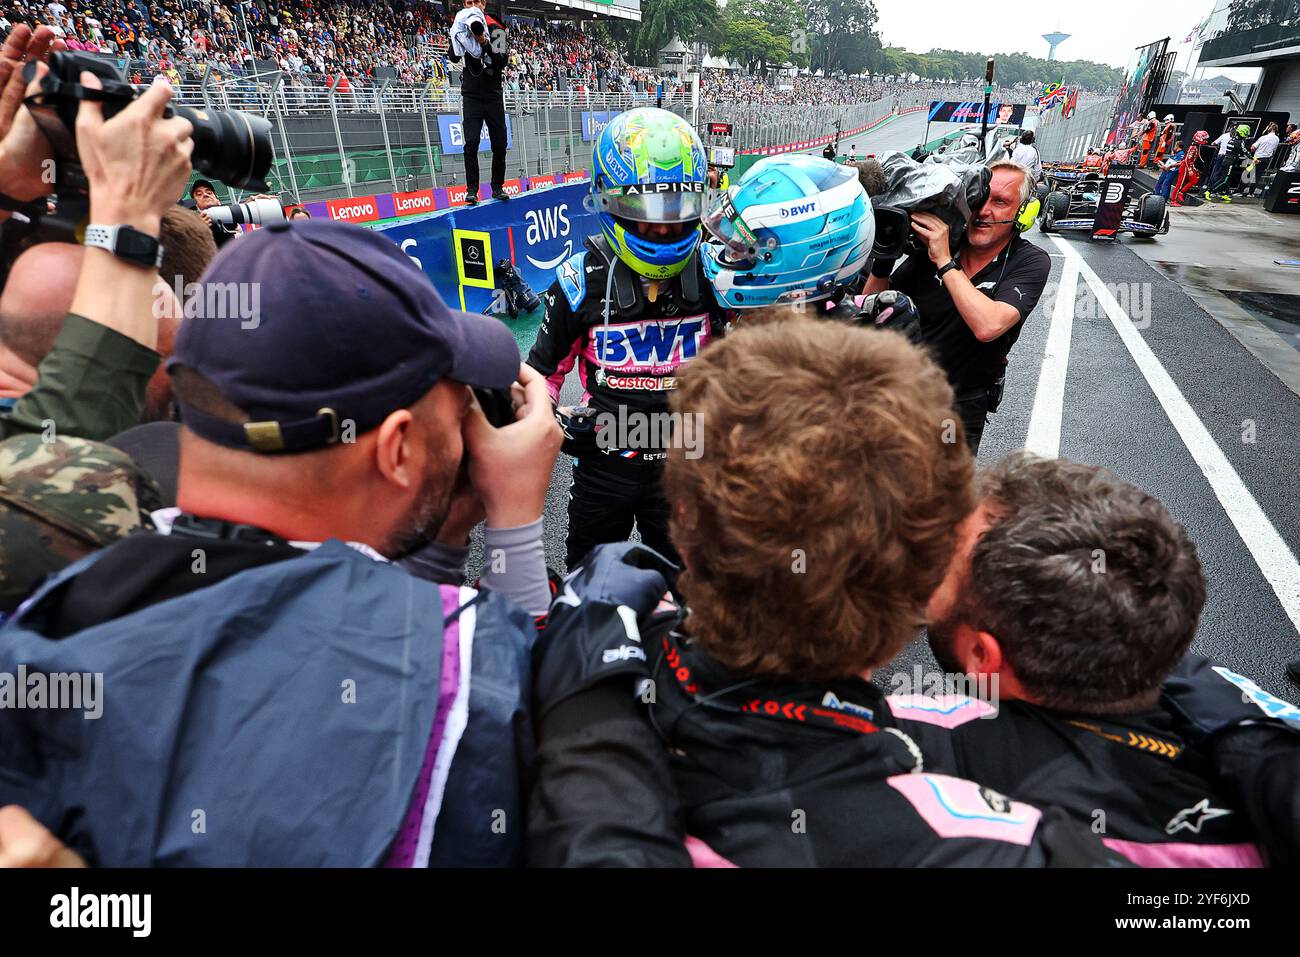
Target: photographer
[
  {"x": 203, "y": 195},
  {"x": 92, "y": 382},
  {"x": 972, "y": 315},
  {"x": 309, "y": 465},
  {"x": 483, "y": 102}
]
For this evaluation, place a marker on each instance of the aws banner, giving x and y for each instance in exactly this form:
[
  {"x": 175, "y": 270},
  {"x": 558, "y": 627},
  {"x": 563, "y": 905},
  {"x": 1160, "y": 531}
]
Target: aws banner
[
  {"x": 460, "y": 249},
  {"x": 451, "y": 131}
]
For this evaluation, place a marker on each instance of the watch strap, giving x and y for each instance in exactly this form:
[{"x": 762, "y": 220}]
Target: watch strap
[
  {"x": 110, "y": 237},
  {"x": 946, "y": 268}
]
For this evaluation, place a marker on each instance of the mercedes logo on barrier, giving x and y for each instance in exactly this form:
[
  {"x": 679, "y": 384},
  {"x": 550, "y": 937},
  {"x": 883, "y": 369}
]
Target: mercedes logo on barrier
[{"x": 473, "y": 252}]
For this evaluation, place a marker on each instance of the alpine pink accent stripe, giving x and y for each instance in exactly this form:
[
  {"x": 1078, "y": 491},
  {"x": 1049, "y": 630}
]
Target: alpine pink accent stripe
[
  {"x": 955, "y": 807},
  {"x": 704, "y": 856},
  {"x": 943, "y": 711},
  {"x": 1187, "y": 855}
]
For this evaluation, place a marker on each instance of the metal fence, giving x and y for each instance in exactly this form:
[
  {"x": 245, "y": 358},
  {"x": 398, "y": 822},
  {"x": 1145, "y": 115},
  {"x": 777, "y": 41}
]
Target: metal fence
[
  {"x": 401, "y": 137},
  {"x": 1062, "y": 139}
]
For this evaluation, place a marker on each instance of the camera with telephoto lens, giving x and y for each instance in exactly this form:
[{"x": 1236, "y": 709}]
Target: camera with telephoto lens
[
  {"x": 255, "y": 212},
  {"x": 229, "y": 145}
]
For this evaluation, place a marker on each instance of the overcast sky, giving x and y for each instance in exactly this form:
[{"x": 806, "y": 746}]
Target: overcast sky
[{"x": 1101, "y": 30}]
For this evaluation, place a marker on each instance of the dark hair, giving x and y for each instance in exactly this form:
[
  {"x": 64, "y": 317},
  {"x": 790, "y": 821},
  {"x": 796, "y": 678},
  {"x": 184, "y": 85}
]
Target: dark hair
[
  {"x": 1027, "y": 137},
  {"x": 1091, "y": 588},
  {"x": 835, "y": 477}
]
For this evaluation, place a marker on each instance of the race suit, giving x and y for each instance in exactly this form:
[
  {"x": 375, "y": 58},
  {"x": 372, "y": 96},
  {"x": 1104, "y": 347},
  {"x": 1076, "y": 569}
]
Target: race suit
[
  {"x": 616, "y": 478},
  {"x": 708, "y": 768},
  {"x": 1132, "y": 778},
  {"x": 1148, "y": 142},
  {"x": 1189, "y": 173},
  {"x": 1165, "y": 143}
]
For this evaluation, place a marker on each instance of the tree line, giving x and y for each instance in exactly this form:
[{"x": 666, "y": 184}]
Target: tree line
[{"x": 827, "y": 36}]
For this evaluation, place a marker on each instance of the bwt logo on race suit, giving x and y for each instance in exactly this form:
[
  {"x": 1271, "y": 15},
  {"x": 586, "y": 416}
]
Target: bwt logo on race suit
[
  {"x": 649, "y": 347},
  {"x": 545, "y": 225}
]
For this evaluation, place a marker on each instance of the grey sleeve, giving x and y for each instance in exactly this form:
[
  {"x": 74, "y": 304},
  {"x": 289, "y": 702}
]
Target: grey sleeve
[
  {"x": 438, "y": 563},
  {"x": 514, "y": 564}
]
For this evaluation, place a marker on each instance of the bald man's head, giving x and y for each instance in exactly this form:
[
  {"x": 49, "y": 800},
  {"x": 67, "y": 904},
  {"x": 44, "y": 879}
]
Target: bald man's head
[{"x": 36, "y": 298}]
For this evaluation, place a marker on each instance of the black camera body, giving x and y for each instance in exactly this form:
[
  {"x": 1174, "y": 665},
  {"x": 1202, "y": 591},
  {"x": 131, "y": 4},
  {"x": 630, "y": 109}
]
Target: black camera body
[{"x": 229, "y": 145}]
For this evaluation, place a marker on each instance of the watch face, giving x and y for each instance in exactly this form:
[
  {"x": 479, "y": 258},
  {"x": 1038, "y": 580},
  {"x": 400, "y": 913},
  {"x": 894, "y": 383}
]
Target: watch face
[{"x": 137, "y": 245}]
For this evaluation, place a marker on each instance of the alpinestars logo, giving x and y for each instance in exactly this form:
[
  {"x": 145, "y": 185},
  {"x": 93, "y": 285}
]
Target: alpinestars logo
[{"x": 1191, "y": 819}]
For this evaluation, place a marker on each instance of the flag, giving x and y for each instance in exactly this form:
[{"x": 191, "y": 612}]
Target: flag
[{"x": 1053, "y": 93}]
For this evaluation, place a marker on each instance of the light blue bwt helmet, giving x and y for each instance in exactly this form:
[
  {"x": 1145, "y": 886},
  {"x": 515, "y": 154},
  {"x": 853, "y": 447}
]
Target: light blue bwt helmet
[{"x": 794, "y": 228}]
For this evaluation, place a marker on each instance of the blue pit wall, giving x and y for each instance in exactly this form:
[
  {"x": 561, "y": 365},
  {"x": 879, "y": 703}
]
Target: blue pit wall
[{"x": 458, "y": 249}]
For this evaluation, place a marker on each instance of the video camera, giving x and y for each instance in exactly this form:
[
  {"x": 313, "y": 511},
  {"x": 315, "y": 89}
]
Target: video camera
[{"x": 229, "y": 145}]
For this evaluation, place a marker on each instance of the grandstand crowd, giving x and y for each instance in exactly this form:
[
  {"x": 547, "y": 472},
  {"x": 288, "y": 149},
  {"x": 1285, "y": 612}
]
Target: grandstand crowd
[{"x": 333, "y": 43}]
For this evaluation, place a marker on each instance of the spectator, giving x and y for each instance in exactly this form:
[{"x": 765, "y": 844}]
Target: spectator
[{"x": 1026, "y": 155}]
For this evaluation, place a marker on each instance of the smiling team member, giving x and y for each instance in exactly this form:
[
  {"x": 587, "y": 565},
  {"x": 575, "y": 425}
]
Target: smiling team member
[
  {"x": 974, "y": 300},
  {"x": 629, "y": 309}
]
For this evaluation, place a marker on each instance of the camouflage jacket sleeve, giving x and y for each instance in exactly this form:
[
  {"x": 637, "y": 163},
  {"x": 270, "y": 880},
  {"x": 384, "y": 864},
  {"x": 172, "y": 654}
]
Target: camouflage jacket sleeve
[{"x": 91, "y": 385}]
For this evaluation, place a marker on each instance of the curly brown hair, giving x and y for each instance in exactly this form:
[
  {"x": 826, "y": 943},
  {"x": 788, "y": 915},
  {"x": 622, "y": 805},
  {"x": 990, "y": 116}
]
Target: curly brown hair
[{"x": 823, "y": 511}]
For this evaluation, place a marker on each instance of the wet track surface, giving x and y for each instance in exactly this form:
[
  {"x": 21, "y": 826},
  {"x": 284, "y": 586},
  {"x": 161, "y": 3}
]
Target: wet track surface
[{"x": 1222, "y": 450}]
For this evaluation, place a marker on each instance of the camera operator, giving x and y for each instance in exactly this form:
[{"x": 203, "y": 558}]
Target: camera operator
[
  {"x": 92, "y": 382},
  {"x": 203, "y": 195},
  {"x": 972, "y": 315}
]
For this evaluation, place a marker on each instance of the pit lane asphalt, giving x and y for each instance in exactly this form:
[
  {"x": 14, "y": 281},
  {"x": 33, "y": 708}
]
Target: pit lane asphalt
[{"x": 1111, "y": 417}]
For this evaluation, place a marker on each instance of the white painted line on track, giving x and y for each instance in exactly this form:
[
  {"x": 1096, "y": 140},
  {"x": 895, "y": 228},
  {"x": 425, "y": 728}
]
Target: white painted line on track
[
  {"x": 1275, "y": 560},
  {"x": 1044, "y": 436}
]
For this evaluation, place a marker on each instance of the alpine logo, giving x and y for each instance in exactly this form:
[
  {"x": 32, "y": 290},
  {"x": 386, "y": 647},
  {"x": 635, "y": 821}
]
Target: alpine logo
[{"x": 831, "y": 700}]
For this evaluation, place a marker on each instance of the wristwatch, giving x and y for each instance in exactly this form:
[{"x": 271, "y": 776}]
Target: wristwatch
[
  {"x": 127, "y": 243},
  {"x": 946, "y": 267}
]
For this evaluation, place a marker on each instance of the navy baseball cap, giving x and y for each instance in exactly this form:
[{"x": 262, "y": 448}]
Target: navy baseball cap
[{"x": 323, "y": 324}]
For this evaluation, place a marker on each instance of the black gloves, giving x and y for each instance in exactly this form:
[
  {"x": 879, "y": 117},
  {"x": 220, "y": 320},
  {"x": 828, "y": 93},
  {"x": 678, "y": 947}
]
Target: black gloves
[
  {"x": 593, "y": 630},
  {"x": 891, "y": 309}
]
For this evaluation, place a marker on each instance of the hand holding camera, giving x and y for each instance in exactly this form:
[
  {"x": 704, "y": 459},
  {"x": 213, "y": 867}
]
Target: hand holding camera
[
  {"x": 136, "y": 163},
  {"x": 511, "y": 467}
]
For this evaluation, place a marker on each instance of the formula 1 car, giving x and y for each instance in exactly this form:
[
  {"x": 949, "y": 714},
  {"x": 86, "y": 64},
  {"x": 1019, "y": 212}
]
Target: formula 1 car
[{"x": 1073, "y": 193}]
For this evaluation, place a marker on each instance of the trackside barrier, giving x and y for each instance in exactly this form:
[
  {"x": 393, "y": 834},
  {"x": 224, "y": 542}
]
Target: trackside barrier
[
  {"x": 369, "y": 209},
  {"x": 458, "y": 248}
]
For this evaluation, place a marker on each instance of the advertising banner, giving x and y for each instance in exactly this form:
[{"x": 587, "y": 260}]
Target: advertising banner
[
  {"x": 452, "y": 135},
  {"x": 459, "y": 249}
]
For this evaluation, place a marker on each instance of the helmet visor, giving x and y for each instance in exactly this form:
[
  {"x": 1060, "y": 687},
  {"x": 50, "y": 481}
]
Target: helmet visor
[
  {"x": 740, "y": 245},
  {"x": 654, "y": 202}
]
